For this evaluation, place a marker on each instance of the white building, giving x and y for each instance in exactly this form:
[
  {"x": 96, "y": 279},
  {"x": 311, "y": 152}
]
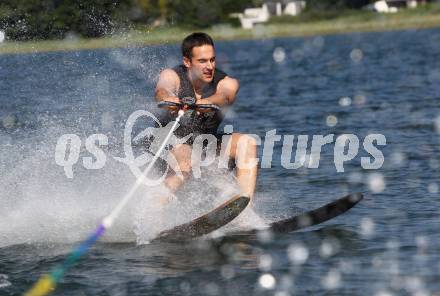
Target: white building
[
  {"x": 391, "y": 6},
  {"x": 252, "y": 16}
]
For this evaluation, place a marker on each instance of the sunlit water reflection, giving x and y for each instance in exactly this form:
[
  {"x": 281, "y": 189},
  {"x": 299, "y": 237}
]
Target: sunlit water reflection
[{"x": 387, "y": 83}]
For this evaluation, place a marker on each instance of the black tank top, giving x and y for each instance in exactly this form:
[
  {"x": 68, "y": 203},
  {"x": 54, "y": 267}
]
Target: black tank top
[{"x": 205, "y": 123}]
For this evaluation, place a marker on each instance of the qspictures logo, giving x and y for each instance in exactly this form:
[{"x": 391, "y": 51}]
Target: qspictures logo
[{"x": 204, "y": 150}]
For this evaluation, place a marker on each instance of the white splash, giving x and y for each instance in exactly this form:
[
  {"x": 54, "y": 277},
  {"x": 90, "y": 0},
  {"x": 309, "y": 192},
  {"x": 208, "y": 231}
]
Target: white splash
[
  {"x": 4, "y": 281},
  {"x": 433, "y": 188},
  {"x": 41, "y": 205},
  {"x": 267, "y": 281},
  {"x": 297, "y": 253},
  {"x": 356, "y": 55},
  {"x": 331, "y": 280},
  {"x": 360, "y": 100},
  {"x": 279, "y": 55},
  {"x": 8, "y": 121},
  {"x": 345, "y": 101},
  {"x": 331, "y": 120},
  {"x": 398, "y": 159},
  {"x": 367, "y": 227},
  {"x": 265, "y": 262},
  {"x": 329, "y": 247},
  {"x": 376, "y": 183}
]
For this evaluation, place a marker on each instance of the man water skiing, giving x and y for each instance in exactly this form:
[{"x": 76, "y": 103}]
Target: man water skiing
[{"x": 198, "y": 79}]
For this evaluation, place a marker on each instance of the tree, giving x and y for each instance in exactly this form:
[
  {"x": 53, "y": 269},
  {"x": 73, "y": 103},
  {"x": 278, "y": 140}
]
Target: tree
[{"x": 49, "y": 19}]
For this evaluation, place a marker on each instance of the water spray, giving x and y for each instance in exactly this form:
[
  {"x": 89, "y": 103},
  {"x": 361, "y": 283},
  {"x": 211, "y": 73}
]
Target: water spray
[{"x": 47, "y": 283}]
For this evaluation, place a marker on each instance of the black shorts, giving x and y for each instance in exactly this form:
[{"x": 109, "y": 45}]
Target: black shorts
[
  {"x": 161, "y": 163},
  {"x": 218, "y": 136}
]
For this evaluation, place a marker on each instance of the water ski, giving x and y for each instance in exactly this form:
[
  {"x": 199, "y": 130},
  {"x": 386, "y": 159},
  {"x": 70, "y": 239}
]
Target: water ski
[
  {"x": 207, "y": 223},
  {"x": 316, "y": 216}
]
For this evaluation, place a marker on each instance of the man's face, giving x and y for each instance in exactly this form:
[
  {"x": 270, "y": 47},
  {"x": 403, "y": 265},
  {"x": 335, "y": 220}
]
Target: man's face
[{"x": 202, "y": 63}]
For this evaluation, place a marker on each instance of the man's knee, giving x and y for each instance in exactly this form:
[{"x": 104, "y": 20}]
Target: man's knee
[
  {"x": 247, "y": 143},
  {"x": 182, "y": 154},
  {"x": 245, "y": 151}
]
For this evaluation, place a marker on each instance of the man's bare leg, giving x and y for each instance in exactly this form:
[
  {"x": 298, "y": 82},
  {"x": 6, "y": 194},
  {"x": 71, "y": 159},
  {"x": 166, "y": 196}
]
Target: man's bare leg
[
  {"x": 243, "y": 149},
  {"x": 182, "y": 154}
]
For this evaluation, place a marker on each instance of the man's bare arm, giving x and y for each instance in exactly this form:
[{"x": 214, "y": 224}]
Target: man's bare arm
[
  {"x": 227, "y": 90},
  {"x": 167, "y": 86}
]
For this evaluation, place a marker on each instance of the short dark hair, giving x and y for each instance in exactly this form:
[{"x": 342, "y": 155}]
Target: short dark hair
[{"x": 194, "y": 40}]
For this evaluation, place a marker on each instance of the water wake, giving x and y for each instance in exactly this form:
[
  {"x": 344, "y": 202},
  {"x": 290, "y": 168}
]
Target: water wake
[{"x": 41, "y": 205}]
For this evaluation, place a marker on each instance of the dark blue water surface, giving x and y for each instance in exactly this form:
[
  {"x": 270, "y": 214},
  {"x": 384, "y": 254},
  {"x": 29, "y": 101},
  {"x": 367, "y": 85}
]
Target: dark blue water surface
[{"x": 361, "y": 84}]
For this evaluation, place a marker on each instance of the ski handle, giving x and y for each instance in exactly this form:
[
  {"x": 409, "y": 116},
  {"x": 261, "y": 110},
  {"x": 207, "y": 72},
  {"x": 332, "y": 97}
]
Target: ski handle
[{"x": 188, "y": 103}]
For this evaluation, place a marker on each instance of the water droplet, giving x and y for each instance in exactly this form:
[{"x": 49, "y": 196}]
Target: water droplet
[
  {"x": 433, "y": 188},
  {"x": 376, "y": 183},
  {"x": 297, "y": 253},
  {"x": 8, "y": 121},
  {"x": 345, "y": 101},
  {"x": 227, "y": 272},
  {"x": 279, "y": 55},
  {"x": 376, "y": 262},
  {"x": 212, "y": 289},
  {"x": 398, "y": 159},
  {"x": 267, "y": 281},
  {"x": 413, "y": 284},
  {"x": 4, "y": 281},
  {"x": 332, "y": 280},
  {"x": 393, "y": 245},
  {"x": 331, "y": 120},
  {"x": 326, "y": 250},
  {"x": 2, "y": 36},
  {"x": 434, "y": 75},
  {"x": 228, "y": 129},
  {"x": 367, "y": 227},
  {"x": 360, "y": 99},
  {"x": 346, "y": 266},
  {"x": 356, "y": 55},
  {"x": 422, "y": 242},
  {"x": 329, "y": 247},
  {"x": 434, "y": 163},
  {"x": 265, "y": 235},
  {"x": 265, "y": 262}
]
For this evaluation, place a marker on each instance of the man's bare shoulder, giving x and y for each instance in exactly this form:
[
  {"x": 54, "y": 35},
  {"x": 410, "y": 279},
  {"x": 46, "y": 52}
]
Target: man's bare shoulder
[
  {"x": 228, "y": 87},
  {"x": 168, "y": 85},
  {"x": 169, "y": 74},
  {"x": 230, "y": 83}
]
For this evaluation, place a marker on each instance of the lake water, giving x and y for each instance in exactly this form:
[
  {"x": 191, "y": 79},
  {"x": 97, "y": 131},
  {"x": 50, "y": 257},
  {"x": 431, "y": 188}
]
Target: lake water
[{"x": 361, "y": 84}]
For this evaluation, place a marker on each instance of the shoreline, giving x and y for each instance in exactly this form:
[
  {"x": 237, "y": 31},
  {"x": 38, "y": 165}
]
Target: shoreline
[{"x": 138, "y": 38}]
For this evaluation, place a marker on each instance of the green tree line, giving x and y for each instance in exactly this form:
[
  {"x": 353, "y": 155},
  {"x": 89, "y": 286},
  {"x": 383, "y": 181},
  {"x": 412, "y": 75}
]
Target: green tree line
[{"x": 55, "y": 19}]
